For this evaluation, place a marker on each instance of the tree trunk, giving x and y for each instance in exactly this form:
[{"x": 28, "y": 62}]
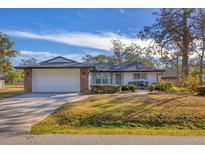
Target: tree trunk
[
  {"x": 201, "y": 64},
  {"x": 185, "y": 64},
  {"x": 185, "y": 47},
  {"x": 201, "y": 70}
]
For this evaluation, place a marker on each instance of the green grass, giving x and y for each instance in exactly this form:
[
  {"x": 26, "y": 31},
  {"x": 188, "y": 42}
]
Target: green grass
[
  {"x": 11, "y": 91},
  {"x": 166, "y": 114}
]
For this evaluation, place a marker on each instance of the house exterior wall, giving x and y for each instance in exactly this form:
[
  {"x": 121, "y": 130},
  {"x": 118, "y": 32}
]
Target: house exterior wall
[
  {"x": 83, "y": 79},
  {"x": 127, "y": 77},
  {"x": 28, "y": 80}
]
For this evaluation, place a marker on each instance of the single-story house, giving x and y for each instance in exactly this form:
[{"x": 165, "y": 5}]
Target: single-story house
[
  {"x": 170, "y": 74},
  {"x": 64, "y": 75}
]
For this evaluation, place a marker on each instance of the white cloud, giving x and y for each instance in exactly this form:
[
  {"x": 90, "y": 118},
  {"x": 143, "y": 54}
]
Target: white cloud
[
  {"x": 45, "y": 55},
  {"x": 98, "y": 41}
]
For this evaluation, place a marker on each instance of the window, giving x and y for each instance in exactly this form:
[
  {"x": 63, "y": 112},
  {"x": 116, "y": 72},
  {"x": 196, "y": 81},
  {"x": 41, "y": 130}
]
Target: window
[
  {"x": 140, "y": 76},
  {"x": 104, "y": 78},
  {"x": 100, "y": 78},
  {"x": 137, "y": 76},
  {"x": 143, "y": 75},
  {"x": 118, "y": 78}
]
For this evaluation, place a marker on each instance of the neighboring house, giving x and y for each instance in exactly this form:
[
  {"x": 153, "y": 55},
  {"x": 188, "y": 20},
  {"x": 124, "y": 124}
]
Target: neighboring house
[
  {"x": 64, "y": 75},
  {"x": 170, "y": 74},
  {"x": 1, "y": 82}
]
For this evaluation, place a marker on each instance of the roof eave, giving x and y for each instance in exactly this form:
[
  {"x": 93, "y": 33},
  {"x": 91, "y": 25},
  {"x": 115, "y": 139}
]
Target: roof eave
[{"x": 36, "y": 67}]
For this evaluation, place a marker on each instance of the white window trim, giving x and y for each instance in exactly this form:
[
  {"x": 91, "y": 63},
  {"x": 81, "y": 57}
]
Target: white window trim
[
  {"x": 140, "y": 74},
  {"x": 101, "y": 79}
]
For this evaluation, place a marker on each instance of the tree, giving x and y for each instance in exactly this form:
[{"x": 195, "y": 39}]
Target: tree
[
  {"x": 89, "y": 59},
  {"x": 6, "y": 51},
  {"x": 199, "y": 25},
  {"x": 13, "y": 76},
  {"x": 29, "y": 61},
  {"x": 172, "y": 32},
  {"x": 118, "y": 49}
]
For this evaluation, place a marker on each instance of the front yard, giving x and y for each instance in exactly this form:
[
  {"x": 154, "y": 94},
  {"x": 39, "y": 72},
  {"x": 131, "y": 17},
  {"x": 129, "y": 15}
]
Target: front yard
[
  {"x": 11, "y": 91},
  {"x": 166, "y": 114}
]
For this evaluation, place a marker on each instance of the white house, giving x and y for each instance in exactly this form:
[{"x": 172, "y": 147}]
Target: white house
[{"x": 64, "y": 75}]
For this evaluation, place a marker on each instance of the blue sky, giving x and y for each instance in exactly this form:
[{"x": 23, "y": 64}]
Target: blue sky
[{"x": 46, "y": 33}]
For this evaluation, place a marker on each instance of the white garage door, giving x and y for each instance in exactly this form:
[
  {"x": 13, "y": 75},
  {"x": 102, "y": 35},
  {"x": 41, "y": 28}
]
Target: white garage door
[{"x": 55, "y": 80}]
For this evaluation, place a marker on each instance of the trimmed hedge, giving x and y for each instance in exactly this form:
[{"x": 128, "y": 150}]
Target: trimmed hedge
[
  {"x": 129, "y": 88},
  {"x": 105, "y": 88},
  {"x": 201, "y": 90},
  {"x": 109, "y": 89}
]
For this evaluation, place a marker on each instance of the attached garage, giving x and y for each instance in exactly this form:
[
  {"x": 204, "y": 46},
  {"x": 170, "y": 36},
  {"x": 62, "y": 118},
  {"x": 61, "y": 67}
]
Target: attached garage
[
  {"x": 56, "y": 75},
  {"x": 56, "y": 80}
]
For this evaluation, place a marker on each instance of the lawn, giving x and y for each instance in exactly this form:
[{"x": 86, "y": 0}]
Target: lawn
[
  {"x": 166, "y": 114},
  {"x": 11, "y": 91}
]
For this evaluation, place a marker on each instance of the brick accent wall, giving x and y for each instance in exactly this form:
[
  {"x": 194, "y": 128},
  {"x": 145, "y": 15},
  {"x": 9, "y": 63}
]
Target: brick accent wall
[
  {"x": 28, "y": 79},
  {"x": 84, "y": 79}
]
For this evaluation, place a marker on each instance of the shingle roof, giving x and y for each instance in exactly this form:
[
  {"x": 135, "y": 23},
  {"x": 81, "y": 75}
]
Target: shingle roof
[
  {"x": 170, "y": 72},
  {"x": 125, "y": 67},
  {"x": 53, "y": 63},
  {"x": 61, "y": 62}
]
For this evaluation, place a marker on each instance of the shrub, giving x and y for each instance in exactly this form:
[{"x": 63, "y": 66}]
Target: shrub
[
  {"x": 161, "y": 86},
  {"x": 201, "y": 90},
  {"x": 125, "y": 88},
  {"x": 191, "y": 82},
  {"x": 105, "y": 88},
  {"x": 131, "y": 88}
]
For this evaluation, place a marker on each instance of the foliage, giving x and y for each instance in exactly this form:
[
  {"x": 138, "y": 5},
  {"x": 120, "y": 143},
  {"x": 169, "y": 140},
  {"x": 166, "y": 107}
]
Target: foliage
[
  {"x": 123, "y": 53},
  {"x": 130, "y": 87},
  {"x": 199, "y": 42},
  {"x": 125, "y": 88},
  {"x": 13, "y": 76},
  {"x": 118, "y": 49},
  {"x": 89, "y": 59},
  {"x": 173, "y": 30},
  {"x": 29, "y": 61},
  {"x": 201, "y": 90},
  {"x": 161, "y": 86},
  {"x": 6, "y": 51},
  {"x": 105, "y": 88},
  {"x": 155, "y": 111},
  {"x": 191, "y": 82}
]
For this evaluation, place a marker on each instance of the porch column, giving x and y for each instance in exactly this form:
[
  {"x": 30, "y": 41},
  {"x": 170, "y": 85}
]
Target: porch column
[
  {"x": 28, "y": 80},
  {"x": 84, "y": 80}
]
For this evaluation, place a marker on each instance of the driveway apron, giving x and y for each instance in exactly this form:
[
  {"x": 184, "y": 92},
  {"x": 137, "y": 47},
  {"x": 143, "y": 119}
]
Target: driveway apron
[{"x": 18, "y": 114}]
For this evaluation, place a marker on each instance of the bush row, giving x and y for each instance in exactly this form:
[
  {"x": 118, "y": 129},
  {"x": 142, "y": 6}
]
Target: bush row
[
  {"x": 171, "y": 87},
  {"x": 161, "y": 86},
  {"x": 109, "y": 89},
  {"x": 201, "y": 90}
]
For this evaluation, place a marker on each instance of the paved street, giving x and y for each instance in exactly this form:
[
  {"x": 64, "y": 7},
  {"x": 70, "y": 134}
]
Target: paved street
[{"x": 64, "y": 139}]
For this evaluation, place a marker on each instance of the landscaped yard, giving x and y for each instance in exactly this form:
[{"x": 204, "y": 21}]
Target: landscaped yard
[
  {"x": 128, "y": 114},
  {"x": 11, "y": 91}
]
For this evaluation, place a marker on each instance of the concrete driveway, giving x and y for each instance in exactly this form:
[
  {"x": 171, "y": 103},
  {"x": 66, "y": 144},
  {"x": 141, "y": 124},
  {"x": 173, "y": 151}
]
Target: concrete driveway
[{"x": 19, "y": 113}]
